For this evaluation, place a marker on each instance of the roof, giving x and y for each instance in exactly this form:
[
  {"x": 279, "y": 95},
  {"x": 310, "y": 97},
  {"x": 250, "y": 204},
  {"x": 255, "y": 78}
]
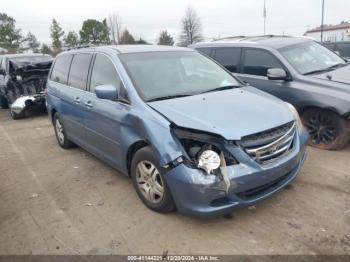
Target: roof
[
  {"x": 329, "y": 28},
  {"x": 271, "y": 41},
  {"x": 23, "y": 55},
  {"x": 123, "y": 49}
]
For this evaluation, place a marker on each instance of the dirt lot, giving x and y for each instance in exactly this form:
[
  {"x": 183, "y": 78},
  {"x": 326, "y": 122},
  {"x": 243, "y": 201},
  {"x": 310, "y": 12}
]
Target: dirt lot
[{"x": 54, "y": 201}]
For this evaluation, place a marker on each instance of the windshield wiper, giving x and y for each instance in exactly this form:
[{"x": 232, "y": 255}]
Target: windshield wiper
[
  {"x": 336, "y": 66},
  {"x": 221, "y": 88},
  {"x": 326, "y": 69},
  {"x": 166, "y": 97}
]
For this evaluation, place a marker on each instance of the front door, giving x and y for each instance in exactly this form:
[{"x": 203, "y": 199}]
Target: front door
[
  {"x": 105, "y": 117},
  {"x": 255, "y": 64}
]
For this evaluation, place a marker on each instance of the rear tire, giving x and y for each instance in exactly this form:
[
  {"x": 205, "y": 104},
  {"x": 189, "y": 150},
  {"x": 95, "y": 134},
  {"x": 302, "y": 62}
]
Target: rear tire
[
  {"x": 327, "y": 130},
  {"x": 60, "y": 132},
  {"x": 3, "y": 102},
  {"x": 148, "y": 179}
]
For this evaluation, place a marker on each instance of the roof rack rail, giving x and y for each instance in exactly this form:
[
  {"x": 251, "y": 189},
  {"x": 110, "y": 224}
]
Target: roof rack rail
[
  {"x": 80, "y": 46},
  {"x": 228, "y": 38},
  {"x": 242, "y": 38}
]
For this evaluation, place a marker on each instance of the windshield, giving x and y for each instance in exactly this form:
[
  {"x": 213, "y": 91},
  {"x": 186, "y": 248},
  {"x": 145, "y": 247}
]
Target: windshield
[
  {"x": 173, "y": 74},
  {"x": 311, "y": 57},
  {"x": 31, "y": 59}
]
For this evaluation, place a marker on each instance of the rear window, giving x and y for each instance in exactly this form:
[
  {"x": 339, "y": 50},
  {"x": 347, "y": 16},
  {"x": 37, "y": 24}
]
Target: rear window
[
  {"x": 60, "y": 69},
  {"x": 79, "y": 71},
  {"x": 228, "y": 57}
]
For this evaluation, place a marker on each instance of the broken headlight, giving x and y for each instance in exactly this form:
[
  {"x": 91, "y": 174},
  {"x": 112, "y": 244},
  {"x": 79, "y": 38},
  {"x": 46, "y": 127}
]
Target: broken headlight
[
  {"x": 209, "y": 160},
  {"x": 203, "y": 150}
]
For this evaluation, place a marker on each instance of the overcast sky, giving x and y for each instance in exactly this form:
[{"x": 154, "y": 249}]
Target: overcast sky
[{"x": 146, "y": 18}]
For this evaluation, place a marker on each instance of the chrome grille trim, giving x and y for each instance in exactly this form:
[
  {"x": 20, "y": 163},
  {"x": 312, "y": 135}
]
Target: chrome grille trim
[{"x": 274, "y": 150}]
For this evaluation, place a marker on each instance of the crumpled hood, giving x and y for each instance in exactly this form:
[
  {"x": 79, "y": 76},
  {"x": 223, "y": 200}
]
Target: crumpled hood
[
  {"x": 340, "y": 75},
  {"x": 232, "y": 113},
  {"x": 27, "y": 69}
]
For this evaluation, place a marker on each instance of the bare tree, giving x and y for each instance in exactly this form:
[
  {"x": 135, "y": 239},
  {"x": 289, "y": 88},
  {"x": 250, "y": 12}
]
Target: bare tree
[
  {"x": 115, "y": 24},
  {"x": 191, "y": 28}
]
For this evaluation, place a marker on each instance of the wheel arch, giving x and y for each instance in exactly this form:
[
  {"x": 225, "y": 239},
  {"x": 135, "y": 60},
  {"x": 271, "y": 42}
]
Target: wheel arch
[
  {"x": 303, "y": 109},
  {"x": 53, "y": 111},
  {"x": 136, "y": 146}
]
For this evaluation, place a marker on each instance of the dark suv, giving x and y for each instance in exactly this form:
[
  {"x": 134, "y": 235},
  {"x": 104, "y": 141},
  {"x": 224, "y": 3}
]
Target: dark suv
[
  {"x": 298, "y": 70},
  {"x": 342, "y": 48}
]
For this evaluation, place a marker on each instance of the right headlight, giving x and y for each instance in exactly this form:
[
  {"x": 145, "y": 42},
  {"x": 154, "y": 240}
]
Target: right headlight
[
  {"x": 296, "y": 117},
  {"x": 209, "y": 160},
  {"x": 203, "y": 150}
]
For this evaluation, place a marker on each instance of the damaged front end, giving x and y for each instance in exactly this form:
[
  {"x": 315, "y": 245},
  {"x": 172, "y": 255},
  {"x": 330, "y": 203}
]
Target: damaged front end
[
  {"x": 25, "y": 88},
  {"x": 206, "y": 152},
  {"x": 215, "y": 175}
]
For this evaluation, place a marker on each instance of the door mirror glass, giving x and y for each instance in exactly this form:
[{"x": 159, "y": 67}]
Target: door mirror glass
[
  {"x": 108, "y": 92},
  {"x": 277, "y": 74}
]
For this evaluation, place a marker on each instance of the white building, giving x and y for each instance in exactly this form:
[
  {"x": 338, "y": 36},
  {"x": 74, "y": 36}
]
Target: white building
[{"x": 332, "y": 33}]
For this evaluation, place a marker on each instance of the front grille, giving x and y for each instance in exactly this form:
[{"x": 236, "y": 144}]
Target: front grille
[{"x": 268, "y": 146}]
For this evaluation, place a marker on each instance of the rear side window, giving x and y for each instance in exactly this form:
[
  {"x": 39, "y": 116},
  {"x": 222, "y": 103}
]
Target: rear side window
[
  {"x": 228, "y": 57},
  {"x": 79, "y": 71},
  {"x": 329, "y": 46},
  {"x": 257, "y": 62},
  {"x": 344, "y": 49},
  {"x": 104, "y": 73},
  {"x": 60, "y": 69},
  {"x": 204, "y": 50}
]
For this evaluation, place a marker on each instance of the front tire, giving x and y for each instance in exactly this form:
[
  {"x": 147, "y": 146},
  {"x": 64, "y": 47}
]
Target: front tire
[
  {"x": 148, "y": 179},
  {"x": 60, "y": 132},
  {"x": 327, "y": 130},
  {"x": 16, "y": 116}
]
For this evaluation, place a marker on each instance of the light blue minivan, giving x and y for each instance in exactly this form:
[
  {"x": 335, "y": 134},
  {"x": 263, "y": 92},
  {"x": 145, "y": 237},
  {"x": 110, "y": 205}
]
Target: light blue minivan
[{"x": 190, "y": 135}]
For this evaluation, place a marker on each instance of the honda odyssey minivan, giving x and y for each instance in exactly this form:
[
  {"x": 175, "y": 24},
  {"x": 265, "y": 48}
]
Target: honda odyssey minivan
[{"x": 190, "y": 135}]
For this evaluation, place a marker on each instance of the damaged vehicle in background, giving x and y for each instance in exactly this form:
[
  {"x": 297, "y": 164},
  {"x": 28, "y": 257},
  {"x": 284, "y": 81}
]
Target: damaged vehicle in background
[
  {"x": 190, "y": 135},
  {"x": 23, "y": 80}
]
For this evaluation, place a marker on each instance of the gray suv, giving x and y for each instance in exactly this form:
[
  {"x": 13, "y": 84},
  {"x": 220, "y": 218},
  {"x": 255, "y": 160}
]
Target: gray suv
[{"x": 297, "y": 70}]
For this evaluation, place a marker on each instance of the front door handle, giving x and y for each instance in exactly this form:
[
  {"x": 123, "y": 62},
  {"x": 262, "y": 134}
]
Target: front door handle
[
  {"x": 88, "y": 104},
  {"x": 77, "y": 100}
]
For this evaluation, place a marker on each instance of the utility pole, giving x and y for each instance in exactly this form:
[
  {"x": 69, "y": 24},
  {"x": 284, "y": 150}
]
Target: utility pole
[
  {"x": 322, "y": 21},
  {"x": 264, "y": 14}
]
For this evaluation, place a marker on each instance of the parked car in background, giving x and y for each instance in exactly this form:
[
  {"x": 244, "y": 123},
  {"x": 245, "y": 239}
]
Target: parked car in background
[
  {"x": 342, "y": 48},
  {"x": 22, "y": 82},
  {"x": 297, "y": 70},
  {"x": 189, "y": 134}
]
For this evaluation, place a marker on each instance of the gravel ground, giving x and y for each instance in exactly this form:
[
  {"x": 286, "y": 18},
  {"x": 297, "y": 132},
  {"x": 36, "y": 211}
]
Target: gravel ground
[{"x": 54, "y": 201}]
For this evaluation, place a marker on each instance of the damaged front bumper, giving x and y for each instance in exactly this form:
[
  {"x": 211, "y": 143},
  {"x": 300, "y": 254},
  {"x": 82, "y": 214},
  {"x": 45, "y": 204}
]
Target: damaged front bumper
[
  {"x": 19, "y": 106},
  {"x": 198, "y": 194}
]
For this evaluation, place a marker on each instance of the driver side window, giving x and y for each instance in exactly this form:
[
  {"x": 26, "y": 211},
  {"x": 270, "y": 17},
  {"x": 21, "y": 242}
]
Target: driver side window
[
  {"x": 104, "y": 73},
  {"x": 257, "y": 62}
]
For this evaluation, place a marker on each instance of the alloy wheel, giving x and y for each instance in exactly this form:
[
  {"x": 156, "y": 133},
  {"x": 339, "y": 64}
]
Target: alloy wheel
[
  {"x": 59, "y": 131},
  {"x": 150, "y": 182},
  {"x": 321, "y": 129}
]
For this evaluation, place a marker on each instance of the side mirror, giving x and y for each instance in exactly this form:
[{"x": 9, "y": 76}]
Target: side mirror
[
  {"x": 277, "y": 74},
  {"x": 107, "y": 92},
  {"x": 2, "y": 71}
]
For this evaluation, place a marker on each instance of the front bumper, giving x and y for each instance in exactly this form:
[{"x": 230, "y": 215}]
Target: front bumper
[
  {"x": 198, "y": 194},
  {"x": 23, "y": 102}
]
